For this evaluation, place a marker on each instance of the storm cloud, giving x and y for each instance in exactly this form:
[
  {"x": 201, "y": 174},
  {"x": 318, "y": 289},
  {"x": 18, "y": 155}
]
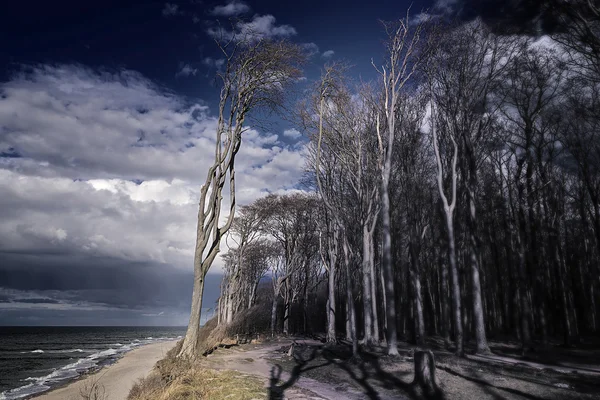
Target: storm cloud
[{"x": 99, "y": 175}]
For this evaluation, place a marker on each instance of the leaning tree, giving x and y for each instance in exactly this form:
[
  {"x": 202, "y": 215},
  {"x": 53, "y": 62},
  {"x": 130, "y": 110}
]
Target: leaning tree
[{"x": 255, "y": 74}]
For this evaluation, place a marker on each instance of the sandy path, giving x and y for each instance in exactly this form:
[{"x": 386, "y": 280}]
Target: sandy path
[
  {"x": 390, "y": 380},
  {"x": 117, "y": 379},
  {"x": 253, "y": 360}
]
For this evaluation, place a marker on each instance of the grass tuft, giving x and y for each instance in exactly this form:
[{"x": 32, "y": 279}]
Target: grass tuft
[
  {"x": 200, "y": 383},
  {"x": 184, "y": 379}
]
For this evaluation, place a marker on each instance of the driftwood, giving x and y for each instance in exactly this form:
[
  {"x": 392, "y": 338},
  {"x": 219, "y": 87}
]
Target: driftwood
[{"x": 425, "y": 372}]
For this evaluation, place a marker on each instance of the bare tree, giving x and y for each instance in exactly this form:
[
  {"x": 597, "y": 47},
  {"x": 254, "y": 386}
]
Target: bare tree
[
  {"x": 278, "y": 277},
  {"x": 254, "y": 75},
  {"x": 500, "y": 197},
  {"x": 580, "y": 33},
  {"x": 399, "y": 67},
  {"x": 449, "y": 208},
  {"x": 532, "y": 82},
  {"x": 257, "y": 266},
  {"x": 411, "y": 181},
  {"x": 336, "y": 161},
  {"x": 245, "y": 232},
  {"x": 468, "y": 65},
  {"x": 290, "y": 220}
]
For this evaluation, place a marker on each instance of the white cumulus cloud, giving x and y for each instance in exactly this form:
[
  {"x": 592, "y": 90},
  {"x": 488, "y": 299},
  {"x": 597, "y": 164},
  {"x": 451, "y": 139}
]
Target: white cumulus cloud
[
  {"x": 260, "y": 26},
  {"x": 170, "y": 10},
  {"x": 230, "y": 9},
  {"x": 310, "y": 48},
  {"x": 186, "y": 70},
  {"x": 213, "y": 62},
  {"x": 292, "y": 133},
  {"x": 328, "y": 54},
  {"x": 107, "y": 164}
]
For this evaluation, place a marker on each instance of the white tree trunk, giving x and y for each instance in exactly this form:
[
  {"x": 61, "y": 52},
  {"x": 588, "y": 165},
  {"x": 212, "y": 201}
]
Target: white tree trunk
[
  {"x": 351, "y": 321},
  {"x": 366, "y": 286},
  {"x": 274, "y": 314},
  {"x": 388, "y": 273},
  {"x": 331, "y": 333},
  {"x": 417, "y": 293},
  {"x": 383, "y": 294},
  {"x": 373, "y": 279},
  {"x": 229, "y": 306}
]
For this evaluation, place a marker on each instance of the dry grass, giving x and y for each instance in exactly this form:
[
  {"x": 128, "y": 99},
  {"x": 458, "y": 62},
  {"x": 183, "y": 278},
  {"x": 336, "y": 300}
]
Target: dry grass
[
  {"x": 199, "y": 383},
  {"x": 181, "y": 379},
  {"x": 93, "y": 390},
  {"x": 248, "y": 323}
]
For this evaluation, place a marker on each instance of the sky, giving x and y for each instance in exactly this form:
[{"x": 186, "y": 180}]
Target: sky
[{"x": 107, "y": 119}]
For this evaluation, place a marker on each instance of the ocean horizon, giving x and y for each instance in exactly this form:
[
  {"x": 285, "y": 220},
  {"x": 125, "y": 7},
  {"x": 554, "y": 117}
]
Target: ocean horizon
[{"x": 34, "y": 359}]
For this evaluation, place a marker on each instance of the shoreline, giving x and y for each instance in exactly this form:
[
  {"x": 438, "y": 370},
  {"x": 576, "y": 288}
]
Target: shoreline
[{"x": 117, "y": 378}]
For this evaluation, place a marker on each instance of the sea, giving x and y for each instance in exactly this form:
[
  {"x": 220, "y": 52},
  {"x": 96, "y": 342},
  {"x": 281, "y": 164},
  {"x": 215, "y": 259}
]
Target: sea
[{"x": 36, "y": 359}]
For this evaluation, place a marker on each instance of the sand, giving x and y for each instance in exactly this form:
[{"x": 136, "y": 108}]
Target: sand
[{"x": 116, "y": 379}]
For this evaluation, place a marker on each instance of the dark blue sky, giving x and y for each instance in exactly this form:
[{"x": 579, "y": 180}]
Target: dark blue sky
[{"x": 137, "y": 35}]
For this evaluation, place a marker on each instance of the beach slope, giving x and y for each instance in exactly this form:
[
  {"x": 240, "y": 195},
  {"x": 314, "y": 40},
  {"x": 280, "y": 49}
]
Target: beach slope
[{"x": 116, "y": 379}]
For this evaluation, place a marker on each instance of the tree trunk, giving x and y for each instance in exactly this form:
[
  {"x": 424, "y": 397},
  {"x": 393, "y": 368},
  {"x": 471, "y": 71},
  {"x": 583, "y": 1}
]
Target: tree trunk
[
  {"x": 593, "y": 323},
  {"x": 478, "y": 315},
  {"x": 383, "y": 294},
  {"x": 525, "y": 310},
  {"x": 373, "y": 279},
  {"x": 252, "y": 298},
  {"x": 220, "y": 302},
  {"x": 445, "y": 304},
  {"x": 351, "y": 325},
  {"x": 219, "y": 311},
  {"x": 273, "y": 314},
  {"x": 189, "y": 348},
  {"x": 417, "y": 294},
  {"x": 230, "y": 293},
  {"x": 331, "y": 333},
  {"x": 456, "y": 300},
  {"x": 367, "y": 300},
  {"x": 434, "y": 311},
  {"x": 388, "y": 272},
  {"x": 563, "y": 292},
  {"x": 286, "y": 312},
  {"x": 425, "y": 372}
]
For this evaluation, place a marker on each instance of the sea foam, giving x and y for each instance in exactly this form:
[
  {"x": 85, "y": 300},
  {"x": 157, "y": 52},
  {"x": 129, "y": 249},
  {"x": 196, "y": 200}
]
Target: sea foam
[{"x": 72, "y": 370}]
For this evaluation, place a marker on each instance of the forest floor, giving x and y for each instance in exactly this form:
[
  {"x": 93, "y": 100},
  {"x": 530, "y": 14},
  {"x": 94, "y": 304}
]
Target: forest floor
[{"x": 319, "y": 371}]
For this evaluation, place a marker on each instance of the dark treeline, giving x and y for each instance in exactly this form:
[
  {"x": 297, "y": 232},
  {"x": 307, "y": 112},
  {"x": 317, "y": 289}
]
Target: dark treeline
[{"x": 458, "y": 195}]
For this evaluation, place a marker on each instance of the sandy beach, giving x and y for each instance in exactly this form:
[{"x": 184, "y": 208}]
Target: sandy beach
[{"x": 117, "y": 379}]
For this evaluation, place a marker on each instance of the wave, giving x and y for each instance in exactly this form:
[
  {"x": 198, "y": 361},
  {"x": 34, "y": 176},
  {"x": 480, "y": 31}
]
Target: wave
[
  {"x": 43, "y": 383},
  {"x": 69, "y": 351},
  {"x": 104, "y": 353},
  {"x": 23, "y": 391},
  {"x": 73, "y": 370},
  {"x": 65, "y": 351}
]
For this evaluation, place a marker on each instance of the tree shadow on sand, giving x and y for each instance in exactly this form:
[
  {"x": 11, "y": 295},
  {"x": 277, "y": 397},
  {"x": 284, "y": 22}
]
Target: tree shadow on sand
[
  {"x": 365, "y": 371},
  {"x": 278, "y": 388},
  {"x": 489, "y": 387}
]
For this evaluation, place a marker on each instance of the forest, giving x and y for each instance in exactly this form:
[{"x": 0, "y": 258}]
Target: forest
[{"x": 456, "y": 196}]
